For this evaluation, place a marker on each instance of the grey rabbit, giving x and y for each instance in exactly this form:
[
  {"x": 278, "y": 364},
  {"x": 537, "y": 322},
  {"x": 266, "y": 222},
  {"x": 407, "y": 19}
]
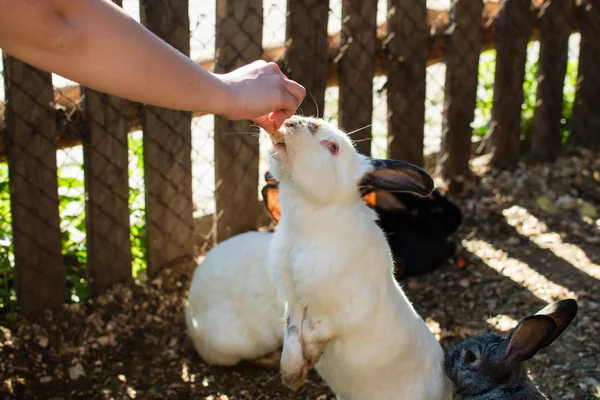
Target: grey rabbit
[{"x": 490, "y": 367}]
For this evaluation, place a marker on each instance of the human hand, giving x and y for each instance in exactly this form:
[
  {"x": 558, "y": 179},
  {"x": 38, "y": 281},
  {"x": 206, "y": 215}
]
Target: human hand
[{"x": 262, "y": 93}]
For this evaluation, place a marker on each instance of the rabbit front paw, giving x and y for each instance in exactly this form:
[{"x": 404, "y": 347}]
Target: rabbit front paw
[
  {"x": 292, "y": 367},
  {"x": 312, "y": 348},
  {"x": 315, "y": 332}
]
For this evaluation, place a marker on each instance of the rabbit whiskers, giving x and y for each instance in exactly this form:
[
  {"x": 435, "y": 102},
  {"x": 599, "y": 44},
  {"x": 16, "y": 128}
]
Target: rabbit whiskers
[
  {"x": 359, "y": 129},
  {"x": 316, "y": 105},
  {"x": 257, "y": 134}
]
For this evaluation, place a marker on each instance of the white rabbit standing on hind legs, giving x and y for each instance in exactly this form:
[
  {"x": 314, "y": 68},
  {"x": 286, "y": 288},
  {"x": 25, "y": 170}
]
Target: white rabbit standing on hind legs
[{"x": 332, "y": 268}]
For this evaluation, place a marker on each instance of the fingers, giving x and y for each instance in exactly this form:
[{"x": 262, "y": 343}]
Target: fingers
[
  {"x": 288, "y": 103},
  {"x": 290, "y": 86},
  {"x": 258, "y": 63},
  {"x": 278, "y": 117},
  {"x": 281, "y": 72},
  {"x": 295, "y": 89},
  {"x": 266, "y": 123},
  {"x": 272, "y": 121}
]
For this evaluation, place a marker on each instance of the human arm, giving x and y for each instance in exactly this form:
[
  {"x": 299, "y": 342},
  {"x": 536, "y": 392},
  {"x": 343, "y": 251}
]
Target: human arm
[{"x": 96, "y": 44}]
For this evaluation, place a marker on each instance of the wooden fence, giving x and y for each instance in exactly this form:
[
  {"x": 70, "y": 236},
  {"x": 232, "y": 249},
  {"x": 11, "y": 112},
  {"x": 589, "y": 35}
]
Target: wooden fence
[{"x": 37, "y": 122}]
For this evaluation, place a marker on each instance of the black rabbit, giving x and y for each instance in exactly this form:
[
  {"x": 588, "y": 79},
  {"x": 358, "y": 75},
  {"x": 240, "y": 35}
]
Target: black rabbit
[
  {"x": 490, "y": 367},
  {"x": 417, "y": 228}
]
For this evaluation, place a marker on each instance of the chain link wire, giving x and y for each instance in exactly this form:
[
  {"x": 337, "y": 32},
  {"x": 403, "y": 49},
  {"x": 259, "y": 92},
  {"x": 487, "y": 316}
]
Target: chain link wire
[{"x": 121, "y": 173}]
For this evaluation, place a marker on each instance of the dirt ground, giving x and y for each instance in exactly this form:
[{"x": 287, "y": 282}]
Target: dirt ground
[{"x": 528, "y": 237}]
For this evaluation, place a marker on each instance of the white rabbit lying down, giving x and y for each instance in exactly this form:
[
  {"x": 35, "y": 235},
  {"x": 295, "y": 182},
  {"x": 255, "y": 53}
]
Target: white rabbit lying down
[
  {"x": 231, "y": 313},
  {"x": 332, "y": 268}
]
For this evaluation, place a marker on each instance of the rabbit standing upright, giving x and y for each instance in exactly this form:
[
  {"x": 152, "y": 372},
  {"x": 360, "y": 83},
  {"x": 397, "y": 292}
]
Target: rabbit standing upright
[
  {"x": 231, "y": 311},
  {"x": 490, "y": 367},
  {"x": 332, "y": 267}
]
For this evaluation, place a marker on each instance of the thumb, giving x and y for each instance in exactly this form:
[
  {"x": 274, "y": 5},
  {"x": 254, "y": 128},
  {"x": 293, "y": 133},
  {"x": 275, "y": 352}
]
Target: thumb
[
  {"x": 266, "y": 123},
  {"x": 278, "y": 117}
]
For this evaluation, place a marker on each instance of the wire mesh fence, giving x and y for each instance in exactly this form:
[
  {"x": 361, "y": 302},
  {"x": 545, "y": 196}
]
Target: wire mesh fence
[
  {"x": 101, "y": 189},
  {"x": 586, "y": 122}
]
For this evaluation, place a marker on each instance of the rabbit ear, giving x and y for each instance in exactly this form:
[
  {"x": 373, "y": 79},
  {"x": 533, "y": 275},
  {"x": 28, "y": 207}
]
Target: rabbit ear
[
  {"x": 526, "y": 339},
  {"x": 562, "y": 312},
  {"x": 398, "y": 176},
  {"x": 383, "y": 201},
  {"x": 270, "y": 195}
]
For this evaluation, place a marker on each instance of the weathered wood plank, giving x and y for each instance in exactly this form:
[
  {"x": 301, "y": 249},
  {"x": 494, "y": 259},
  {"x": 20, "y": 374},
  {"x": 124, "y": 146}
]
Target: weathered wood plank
[
  {"x": 107, "y": 185},
  {"x": 406, "y": 56},
  {"x": 167, "y": 150},
  {"x": 586, "y": 119},
  {"x": 462, "y": 66},
  {"x": 31, "y": 151},
  {"x": 306, "y": 58},
  {"x": 239, "y": 42},
  {"x": 513, "y": 28},
  {"x": 358, "y": 56},
  {"x": 554, "y": 53}
]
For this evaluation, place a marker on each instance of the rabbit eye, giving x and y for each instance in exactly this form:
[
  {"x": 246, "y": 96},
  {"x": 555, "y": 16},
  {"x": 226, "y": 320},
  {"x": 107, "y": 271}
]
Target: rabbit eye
[
  {"x": 469, "y": 357},
  {"x": 332, "y": 146}
]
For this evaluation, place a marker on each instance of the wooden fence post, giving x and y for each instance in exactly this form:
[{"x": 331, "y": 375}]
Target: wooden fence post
[
  {"x": 586, "y": 119},
  {"x": 31, "y": 151},
  {"x": 554, "y": 52},
  {"x": 107, "y": 185},
  {"x": 406, "y": 50},
  {"x": 462, "y": 67},
  {"x": 357, "y": 69},
  {"x": 513, "y": 27},
  {"x": 238, "y": 42},
  {"x": 167, "y": 150},
  {"x": 306, "y": 58}
]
